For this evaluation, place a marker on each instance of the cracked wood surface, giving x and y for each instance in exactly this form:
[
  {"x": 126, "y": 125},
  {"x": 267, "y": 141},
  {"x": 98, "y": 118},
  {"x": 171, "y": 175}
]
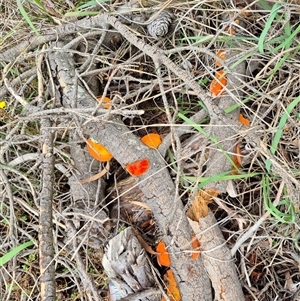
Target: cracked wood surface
[{"x": 46, "y": 244}]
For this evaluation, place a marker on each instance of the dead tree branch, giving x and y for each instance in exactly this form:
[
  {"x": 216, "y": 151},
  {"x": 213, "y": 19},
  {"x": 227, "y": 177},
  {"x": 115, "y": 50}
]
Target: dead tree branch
[
  {"x": 46, "y": 248},
  {"x": 157, "y": 186}
]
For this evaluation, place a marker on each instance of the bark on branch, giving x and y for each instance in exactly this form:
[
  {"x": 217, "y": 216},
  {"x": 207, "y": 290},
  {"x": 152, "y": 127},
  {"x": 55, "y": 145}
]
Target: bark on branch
[{"x": 156, "y": 185}]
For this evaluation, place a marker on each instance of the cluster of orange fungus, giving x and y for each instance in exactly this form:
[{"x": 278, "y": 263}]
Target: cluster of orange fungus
[
  {"x": 163, "y": 257},
  {"x": 220, "y": 81},
  {"x": 98, "y": 151},
  {"x": 218, "y": 84},
  {"x": 152, "y": 140},
  {"x": 138, "y": 168},
  {"x": 106, "y": 102},
  {"x": 172, "y": 287}
]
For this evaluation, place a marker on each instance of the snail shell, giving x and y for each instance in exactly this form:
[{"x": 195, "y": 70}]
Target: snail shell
[{"x": 160, "y": 26}]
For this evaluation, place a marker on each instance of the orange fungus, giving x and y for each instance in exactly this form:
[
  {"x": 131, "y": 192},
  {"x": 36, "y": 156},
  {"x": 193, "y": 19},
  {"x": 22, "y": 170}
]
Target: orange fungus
[
  {"x": 163, "y": 257},
  {"x": 217, "y": 85},
  {"x": 138, "y": 168},
  {"x": 172, "y": 287},
  {"x": 196, "y": 247},
  {"x": 152, "y": 140},
  {"x": 106, "y": 103},
  {"x": 244, "y": 120},
  {"x": 98, "y": 151}
]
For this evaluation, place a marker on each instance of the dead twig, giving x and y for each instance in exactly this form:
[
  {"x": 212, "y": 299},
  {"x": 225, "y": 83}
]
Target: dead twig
[
  {"x": 88, "y": 283},
  {"x": 46, "y": 248}
]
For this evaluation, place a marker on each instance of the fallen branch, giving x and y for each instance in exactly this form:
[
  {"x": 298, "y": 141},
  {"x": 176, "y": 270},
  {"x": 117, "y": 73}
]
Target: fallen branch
[
  {"x": 156, "y": 185},
  {"x": 87, "y": 195},
  {"x": 46, "y": 243},
  {"x": 46, "y": 247}
]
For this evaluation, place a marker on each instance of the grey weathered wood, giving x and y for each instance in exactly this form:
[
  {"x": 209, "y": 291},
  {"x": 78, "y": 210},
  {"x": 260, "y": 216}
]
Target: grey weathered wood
[
  {"x": 218, "y": 261},
  {"x": 126, "y": 264},
  {"x": 221, "y": 129},
  {"x": 87, "y": 197}
]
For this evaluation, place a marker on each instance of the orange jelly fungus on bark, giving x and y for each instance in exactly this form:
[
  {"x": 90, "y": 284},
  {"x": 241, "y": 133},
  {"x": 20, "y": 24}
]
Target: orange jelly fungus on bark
[
  {"x": 163, "y": 257},
  {"x": 173, "y": 291},
  {"x": 138, "y": 168},
  {"x": 196, "y": 247},
  {"x": 106, "y": 103},
  {"x": 218, "y": 84},
  {"x": 152, "y": 140},
  {"x": 244, "y": 120},
  {"x": 98, "y": 151}
]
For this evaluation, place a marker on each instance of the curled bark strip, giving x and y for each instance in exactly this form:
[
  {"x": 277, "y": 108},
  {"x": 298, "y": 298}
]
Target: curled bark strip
[{"x": 97, "y": 176}]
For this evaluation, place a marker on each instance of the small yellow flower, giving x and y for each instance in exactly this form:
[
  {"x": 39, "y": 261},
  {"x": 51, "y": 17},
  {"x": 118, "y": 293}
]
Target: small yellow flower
[{"x": 2, "y": 104}]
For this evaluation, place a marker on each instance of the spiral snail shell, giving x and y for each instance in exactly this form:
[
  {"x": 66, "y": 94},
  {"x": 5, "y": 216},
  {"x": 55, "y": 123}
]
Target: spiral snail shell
[{"x": 159, "y": 27}]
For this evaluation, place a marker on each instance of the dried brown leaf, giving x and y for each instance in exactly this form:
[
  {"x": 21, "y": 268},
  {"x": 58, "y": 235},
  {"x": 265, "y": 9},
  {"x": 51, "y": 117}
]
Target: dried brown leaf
[{"x": 96, "y": 176}]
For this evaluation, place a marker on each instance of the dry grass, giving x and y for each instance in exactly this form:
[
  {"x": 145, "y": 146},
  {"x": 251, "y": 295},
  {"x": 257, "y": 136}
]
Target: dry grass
[{"x": 268, "y": 262}]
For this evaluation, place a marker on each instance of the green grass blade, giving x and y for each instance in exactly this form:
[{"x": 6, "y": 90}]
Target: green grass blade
[
  {"x": 205, "y": 134},
  {"x": 193, "y": 124},
  {"x": 8, "y": 256},
  {"x": 90, "y": 3},
  {"x": 288, "y": 33},
  {"x": 264, "y": 33},
  {"x": 280, "y": 216},
  {"x": 81, "y": 14},
  {"x": 225, "y": 176},
  {"x": 288, "y": 41},
  {"x": 281, "y": 125},
  {"x": 26, "y": 17},
  {"x": 265, "y": 5}
]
